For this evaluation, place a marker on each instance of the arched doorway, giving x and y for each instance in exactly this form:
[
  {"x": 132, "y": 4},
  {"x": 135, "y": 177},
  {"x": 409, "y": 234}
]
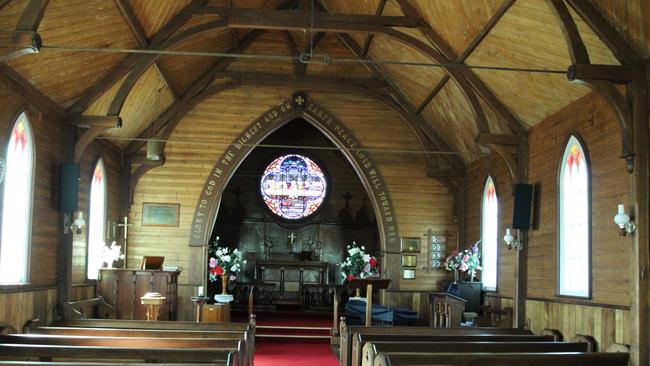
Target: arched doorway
[{"x": 300, "y": 106}]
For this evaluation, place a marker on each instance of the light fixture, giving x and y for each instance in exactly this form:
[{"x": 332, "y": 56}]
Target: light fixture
[
  {"x": 76, "y": 225},
  {"x": 625, "y": 225},
  {"x": 512, "y": 241}
]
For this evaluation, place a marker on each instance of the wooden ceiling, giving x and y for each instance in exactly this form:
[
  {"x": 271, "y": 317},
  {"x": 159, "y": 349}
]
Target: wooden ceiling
[{"x": 501, "y": 33}]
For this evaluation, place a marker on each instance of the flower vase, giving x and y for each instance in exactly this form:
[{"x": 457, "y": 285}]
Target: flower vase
[
  {"x": 472, "y": 274},
  {"x": 456, "y": 274},
  {"x": 224, "y": 284}
]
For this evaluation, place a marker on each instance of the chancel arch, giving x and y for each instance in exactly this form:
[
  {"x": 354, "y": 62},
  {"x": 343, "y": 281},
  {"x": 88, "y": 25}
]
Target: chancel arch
[{"x": 300, "y": 106}]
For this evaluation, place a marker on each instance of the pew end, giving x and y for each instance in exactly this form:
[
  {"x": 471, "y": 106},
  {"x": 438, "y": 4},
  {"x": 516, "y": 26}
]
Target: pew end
[
  {"x": 7, "y": 329},
  {"x": 554, "y": 333},
  {"x": 592, "y": 346},
  {"x": 30, "y": 324},
  {"x": 618, "y": 347}
]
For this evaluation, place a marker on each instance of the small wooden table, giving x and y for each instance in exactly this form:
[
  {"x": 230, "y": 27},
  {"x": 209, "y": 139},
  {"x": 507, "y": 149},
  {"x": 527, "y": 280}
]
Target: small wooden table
[
  {"x": 369, "y": 284},
  {"x": 152, "y": 302},
  {"x": 216, "y": 313}
]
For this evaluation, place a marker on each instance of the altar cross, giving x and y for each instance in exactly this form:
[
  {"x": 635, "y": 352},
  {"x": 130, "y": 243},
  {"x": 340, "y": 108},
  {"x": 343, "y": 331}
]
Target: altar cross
[
  {"x": 125, "y": 225},
  {"x": 291, "y": 237}
]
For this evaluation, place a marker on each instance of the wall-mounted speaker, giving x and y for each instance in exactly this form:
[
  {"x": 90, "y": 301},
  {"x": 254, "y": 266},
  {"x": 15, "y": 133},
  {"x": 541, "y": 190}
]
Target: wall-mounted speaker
[
  {"x": 68, "y": 187},
  {"x": 523, "y": 203}
]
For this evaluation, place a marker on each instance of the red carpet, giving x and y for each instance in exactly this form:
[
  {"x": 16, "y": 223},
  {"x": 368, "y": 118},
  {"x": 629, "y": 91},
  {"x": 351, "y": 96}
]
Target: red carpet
[{"x": 294, "y": 354}]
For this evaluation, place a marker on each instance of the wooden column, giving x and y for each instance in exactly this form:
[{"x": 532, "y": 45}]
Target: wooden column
[
  {"x": 521, "y": 260},
  {"x": 369, "y": 304},
  {"x": 639, "y": 198}
]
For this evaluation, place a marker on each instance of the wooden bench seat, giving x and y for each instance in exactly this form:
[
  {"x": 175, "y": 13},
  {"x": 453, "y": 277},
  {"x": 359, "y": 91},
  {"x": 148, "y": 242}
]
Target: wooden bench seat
[
  {"x": 371, "y": 349},
  {"x": 502, "y": 359},
  {"x": 125, "y": 342},
  {"x": 222, "y": 356},
  {"x": 356, "y": 351},
  {"x": 144, "y": 324}
]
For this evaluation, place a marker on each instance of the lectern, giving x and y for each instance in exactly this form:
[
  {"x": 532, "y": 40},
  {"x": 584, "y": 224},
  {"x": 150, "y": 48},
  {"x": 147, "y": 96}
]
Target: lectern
[
  {"x": 369, "y": 285},
  {"x": 446, "y": 310}
]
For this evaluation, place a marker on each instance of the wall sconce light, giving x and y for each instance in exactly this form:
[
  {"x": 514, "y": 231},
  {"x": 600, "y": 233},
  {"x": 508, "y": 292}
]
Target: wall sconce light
[
  {"x": 76, "y": 225},
  {"x": 625, "y": 225},
  {"x": 512, "y": 241}
]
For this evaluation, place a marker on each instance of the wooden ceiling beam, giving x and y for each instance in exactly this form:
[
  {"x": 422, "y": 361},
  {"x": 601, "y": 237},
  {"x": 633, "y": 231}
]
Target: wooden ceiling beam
[
  {"x": 464, "y": 77},
  {"x": 398, "y": 102},
  {"x": 117, "y": 73},
  {"x": 18, "y": 43},
  {"x": 368, "y": 42},
  {"x": 620, "y": 74},
  {"x": 293, "y": 50},
  {"x": 301, "y": 80},
  {"x": 31, "y": 17},
  {"x": 582, "y": 67},
  {"x": 128, "y": 14},
  {"x": 612, "y": 39},
  {"x": 291, "y": 20},
  {"x": 468, "y": 50},
  {"x": 497, "y": 138},
  {"x": 87, "y": 121},
  {"x": 3, "y": 3}
]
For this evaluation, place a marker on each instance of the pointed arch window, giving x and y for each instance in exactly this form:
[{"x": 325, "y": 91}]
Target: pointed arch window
[
  {"x": 96, "y": 226},
  {"x": 489, "y": 235},
  {"x": 17, "y": 204},
  {"x": 574, "y": 221}
]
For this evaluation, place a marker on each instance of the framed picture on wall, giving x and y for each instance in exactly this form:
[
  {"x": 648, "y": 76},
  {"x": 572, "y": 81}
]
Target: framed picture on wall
[
  {"x": 408, "y": 273},
  {"x": 409, "y": 261},
  {"x": 410, "y": 245},
  {"x": 160, "y": 214}
]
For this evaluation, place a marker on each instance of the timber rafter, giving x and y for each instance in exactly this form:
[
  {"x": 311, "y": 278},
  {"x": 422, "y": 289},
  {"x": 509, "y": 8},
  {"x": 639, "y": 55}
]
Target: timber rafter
[
  {"x": 601, "y": 78},
  {"x": 24, "y": 40}
]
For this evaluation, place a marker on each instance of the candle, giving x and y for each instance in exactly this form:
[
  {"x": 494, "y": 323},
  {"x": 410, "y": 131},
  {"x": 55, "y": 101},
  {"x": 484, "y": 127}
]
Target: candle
[{"x": 200, "y": 290}]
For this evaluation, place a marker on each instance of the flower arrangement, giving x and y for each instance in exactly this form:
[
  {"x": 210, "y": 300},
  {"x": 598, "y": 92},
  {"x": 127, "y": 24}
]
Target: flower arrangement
[
  {"x": 224, "y": 262},
  {"x": 468, "y": 260},
  {"x": 358, "y": 264},
  {"x": 111, "y": 253}
]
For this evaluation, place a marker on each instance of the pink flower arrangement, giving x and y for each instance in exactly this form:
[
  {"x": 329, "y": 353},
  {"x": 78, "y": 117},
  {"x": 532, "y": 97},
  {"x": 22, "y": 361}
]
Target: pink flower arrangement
[{"x": 469, "y": 260}]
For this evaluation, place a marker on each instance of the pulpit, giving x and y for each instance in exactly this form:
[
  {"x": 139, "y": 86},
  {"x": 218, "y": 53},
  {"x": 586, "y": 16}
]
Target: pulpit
[
  {"x": 124, "y": 288},
  {"x": 446, "y": 310}
]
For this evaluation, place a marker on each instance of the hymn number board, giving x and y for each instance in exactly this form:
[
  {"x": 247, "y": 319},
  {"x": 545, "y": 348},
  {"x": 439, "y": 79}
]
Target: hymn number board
[{"x": 437, "y": 243}]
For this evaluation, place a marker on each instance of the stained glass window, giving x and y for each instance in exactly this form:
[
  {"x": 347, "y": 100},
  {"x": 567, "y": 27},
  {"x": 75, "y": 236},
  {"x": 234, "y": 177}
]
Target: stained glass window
[
  {"x": 293, "y": 186},
  {"x": 96, "y": 220},
  {"x": 489, "y": 235},
  {"x": 574, "y": 271},
  {"x": 17, "y": 204}
]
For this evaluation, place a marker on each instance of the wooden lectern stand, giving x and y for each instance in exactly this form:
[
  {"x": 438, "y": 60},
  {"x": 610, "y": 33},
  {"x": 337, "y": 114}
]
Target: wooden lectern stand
[
  {"x": 369, "y": 285},
  {"x": 446, "y": 310}
]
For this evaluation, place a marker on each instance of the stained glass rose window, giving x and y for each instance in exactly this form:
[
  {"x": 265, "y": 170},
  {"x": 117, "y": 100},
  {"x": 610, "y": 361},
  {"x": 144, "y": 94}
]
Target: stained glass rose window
[{"x": 293, "y": 186}]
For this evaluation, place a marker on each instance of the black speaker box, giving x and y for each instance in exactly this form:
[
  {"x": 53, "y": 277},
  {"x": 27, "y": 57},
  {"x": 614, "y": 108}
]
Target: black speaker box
[
  {"x": 523, "y": 202},
  {"x": 68, "y": 187}
]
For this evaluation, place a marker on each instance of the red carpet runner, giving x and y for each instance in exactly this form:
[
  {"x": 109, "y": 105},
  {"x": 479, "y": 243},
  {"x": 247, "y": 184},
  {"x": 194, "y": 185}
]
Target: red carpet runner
[{"x": 283, "y": 346}]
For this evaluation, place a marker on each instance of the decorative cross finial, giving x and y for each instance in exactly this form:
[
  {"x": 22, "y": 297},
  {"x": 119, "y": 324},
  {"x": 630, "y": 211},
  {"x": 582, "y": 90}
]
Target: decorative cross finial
[
  {"x": 291, "y": 237},
  {"x": 300, "y": 100}
]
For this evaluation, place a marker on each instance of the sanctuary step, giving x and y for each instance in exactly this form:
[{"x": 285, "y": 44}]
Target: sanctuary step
[{"x": 294, "y": 325}]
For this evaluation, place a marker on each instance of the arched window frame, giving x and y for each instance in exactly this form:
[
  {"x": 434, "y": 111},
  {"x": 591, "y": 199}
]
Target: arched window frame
[
  {"x": 484, "y": 232},
  {"x": 30, "y": 145},
  {"x": 96, "y": 226},
  {"x": 584, "y": 293}
]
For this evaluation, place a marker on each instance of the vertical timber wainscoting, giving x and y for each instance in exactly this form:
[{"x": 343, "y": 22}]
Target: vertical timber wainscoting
[
  {"x": 606, "y": 315},
  {"x": 220, "y": 121}
]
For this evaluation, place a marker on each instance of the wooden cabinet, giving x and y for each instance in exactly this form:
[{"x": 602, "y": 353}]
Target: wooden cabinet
[
  {"x": 216, "y": 313},
  {"x": 123, "y": 289}
]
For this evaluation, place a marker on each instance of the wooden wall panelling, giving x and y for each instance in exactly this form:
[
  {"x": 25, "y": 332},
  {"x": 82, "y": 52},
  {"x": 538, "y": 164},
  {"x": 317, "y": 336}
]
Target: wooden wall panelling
[
  {"x": 630, "y": 18},
  {"x": 18, "y": 307},
  {"x": 219, "y": 119}
]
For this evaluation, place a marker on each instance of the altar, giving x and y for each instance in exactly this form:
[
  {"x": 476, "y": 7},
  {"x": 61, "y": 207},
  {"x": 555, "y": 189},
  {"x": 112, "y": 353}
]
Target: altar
[{"x": 290, "y": 278}]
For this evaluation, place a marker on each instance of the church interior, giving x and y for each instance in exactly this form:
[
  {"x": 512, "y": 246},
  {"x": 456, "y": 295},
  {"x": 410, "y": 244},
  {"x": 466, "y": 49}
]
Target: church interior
[{"x": 325, "y": 182}]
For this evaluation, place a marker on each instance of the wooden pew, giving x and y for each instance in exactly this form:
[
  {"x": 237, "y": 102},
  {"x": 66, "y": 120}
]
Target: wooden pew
[
  {"x": 144, "y": 324},
  {"x": 125, "y": 342},
  {"x": 502, "y": 359},
  {"x": 371, "y": 349},
  {"x": 361, "y": 339},
  {"x": 83, "y": 309},
  {"x": 346, "y": 335},
  {"x": 221, "y": 356},
  {"x": 248, "y": 346}
]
